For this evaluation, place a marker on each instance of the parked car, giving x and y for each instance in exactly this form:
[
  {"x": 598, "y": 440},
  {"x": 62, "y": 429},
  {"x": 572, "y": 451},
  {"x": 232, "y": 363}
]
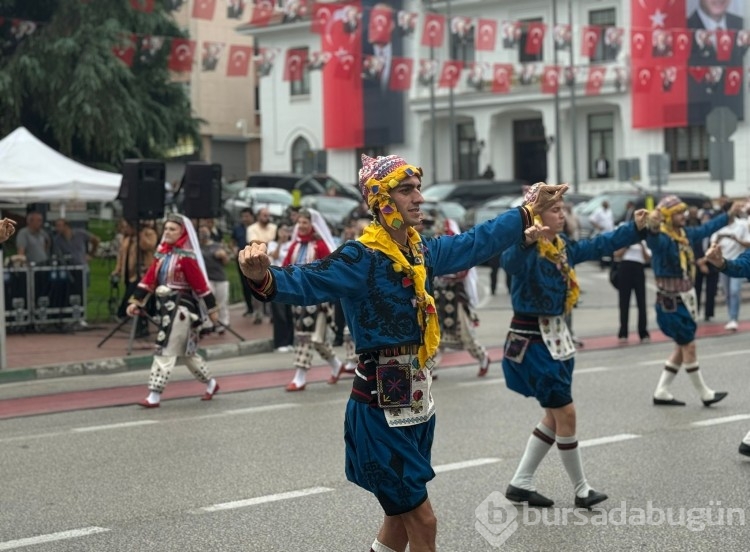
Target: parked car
[
  {"x": 470, "y": 193},
  {"x": 310, "y": 184},
  {"x": 496, "y": 206},
  {"x": 618, "y": 202},
  {"x": 446, "y": 209},
  {"x": 276, "y": 200},
  {"x": 335, "y": 210}
]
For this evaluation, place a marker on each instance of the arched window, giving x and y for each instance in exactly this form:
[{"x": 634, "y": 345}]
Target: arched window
[{"x": 301, "y": 156}]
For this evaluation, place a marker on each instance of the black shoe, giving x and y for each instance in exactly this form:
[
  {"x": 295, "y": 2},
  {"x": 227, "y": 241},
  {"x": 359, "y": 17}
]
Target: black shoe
[
  {"x": 533, "y": 498},
  {"x": 593, "y": 498},
  {"x": 718, "y": 395},
  {"x": 744, "y": 449},
  {"x": 338, "y": 342},
  {"x": 668, "y": 402}
]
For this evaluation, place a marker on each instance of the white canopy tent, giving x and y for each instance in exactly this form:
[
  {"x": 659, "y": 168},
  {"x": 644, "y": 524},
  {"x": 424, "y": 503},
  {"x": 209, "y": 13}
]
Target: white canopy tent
[{"x": 32, "y": 172}]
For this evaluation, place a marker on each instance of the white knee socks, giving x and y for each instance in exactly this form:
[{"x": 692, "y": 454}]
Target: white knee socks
[
  {"x": 378, "y": 546},
  {"x": 696, "y": 377},
  {"x": 667, "y": 377},
  {"x": 537, "y": 447},
  {"x": 571, "y": 459}
]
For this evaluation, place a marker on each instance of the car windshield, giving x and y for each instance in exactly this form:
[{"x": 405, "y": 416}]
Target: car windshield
[{"x": 268, "y": 196}]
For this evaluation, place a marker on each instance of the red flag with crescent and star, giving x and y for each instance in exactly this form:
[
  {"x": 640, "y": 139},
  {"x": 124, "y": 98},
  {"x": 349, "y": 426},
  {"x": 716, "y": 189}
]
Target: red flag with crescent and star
[
  {"x": 502, "y": 75},
  {"x": 655, "y": 105},
  {"x": 181, "y": 54},
  {"x": 433, "y": 32},
  {"x": 238, "y": 63},
  {"x": 450, "y": 74},
  {"x": 486, "y": 35},
  {"x": 401, "y": 72}
]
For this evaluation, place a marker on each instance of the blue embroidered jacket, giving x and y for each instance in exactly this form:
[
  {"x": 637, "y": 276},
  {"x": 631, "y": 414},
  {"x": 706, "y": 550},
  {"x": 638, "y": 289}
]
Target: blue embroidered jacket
[
  {"x": 665, "y": 255},
  {"x": 538, "y": 287},
  {"x": 378, "y": 304},
  {"x": 740, "y": 267}
]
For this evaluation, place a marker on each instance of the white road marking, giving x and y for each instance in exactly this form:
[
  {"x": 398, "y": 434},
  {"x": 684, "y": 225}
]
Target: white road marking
[
  {"x": 465, "y": 464},
  {"x": 591, "y": 370},
  {"x": 31, "y": 541},
  {"x": 265, "y": 499},
  {"x": 723, "y": 420},
  {"x": 266, "y": 408},
  {"x": 113, "y": 426},
  {"x": 480, "y": 381},
  {"x": 607, "y": 440}
]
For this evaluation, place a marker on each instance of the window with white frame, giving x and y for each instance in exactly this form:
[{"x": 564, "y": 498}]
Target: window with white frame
[
  {"x": 301, "y": 87},
  {"x": 601, "y": 145},
  {"x": 603, "y": 18},
  {"x": 687, "y": 148},
  {"x": 300, "y": 155},
  {"x": 523, "y": 57}
]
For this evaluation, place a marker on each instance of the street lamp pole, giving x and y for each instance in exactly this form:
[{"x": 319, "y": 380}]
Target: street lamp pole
[
  {"x": 451, "y": 109},
  {"x": 573, "y": 121},
  {"x": 558, "y": 156}
]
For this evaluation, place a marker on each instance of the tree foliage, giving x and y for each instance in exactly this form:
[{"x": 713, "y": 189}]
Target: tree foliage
[{"x": 64, "y": 83}]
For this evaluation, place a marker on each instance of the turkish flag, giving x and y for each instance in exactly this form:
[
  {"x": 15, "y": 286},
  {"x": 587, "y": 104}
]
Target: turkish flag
[
  {"x": 595, "y": 80},
  {"x": 321, "y": 15},
  {"x": 262, "y": 12},
  {"x": 502, "y": 75},
  {"x": 682, "y": 43},
  {"x": 659, "y": 96},
  {"x": 381, "y": 25},
  {"x": 486, "y": 35},
  {"x": 433, "y": 32},
  {"x": 732, "y": 81},
  {"x": 344, "y": 61},
  {"x": 643, "y": 81},
  {"x": 126, "y": 50},
  {"x": 450, "y": 74},
  {"x": 550, "y": 79},
  {"x": 535, "y": 38},
  {"x": 590, "y": 36},
  {"x": 724, "y": 44},
  {"x": 142, "y": 5},
  {"x": 238, "y": 64},
  {"x": 639, "y": 45},
  {"x": 204, "y": 9},
  {"x": 698, "y": 73},
  {"x": 401, "y": 72},
  {"x": 294, "y": 66},
  {"x": 181, "y": 54}
]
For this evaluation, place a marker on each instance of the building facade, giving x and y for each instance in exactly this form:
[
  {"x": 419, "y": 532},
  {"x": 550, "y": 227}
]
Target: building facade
[{"x": 559, "y": 95}]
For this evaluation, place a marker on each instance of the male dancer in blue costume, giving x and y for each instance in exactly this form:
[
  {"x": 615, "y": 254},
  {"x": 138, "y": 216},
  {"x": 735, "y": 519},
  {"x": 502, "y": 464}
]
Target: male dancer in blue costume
[
  {"x": 539, "y": 351},
  {"x": 381, "y": 279},
  {"x": 673, "y": 263}
]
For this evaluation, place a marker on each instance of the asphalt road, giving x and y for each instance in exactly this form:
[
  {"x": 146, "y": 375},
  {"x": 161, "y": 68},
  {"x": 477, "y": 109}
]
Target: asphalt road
[{"x": 263, "y": 470}]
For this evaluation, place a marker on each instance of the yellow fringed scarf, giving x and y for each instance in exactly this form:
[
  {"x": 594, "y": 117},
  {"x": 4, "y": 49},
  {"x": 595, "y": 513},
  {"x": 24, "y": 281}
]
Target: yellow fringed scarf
[
  {"x": 687, "y": 257},
  {"x": 555, "y": 253},
  {"x": 377, "y": 238}
]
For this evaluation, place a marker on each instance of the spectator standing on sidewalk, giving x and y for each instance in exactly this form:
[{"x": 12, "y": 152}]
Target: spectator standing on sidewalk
[
  {"x": 216, "y": 257},
  {"x": 603, "y": 220},
  {"x": 705, "y": 273},
  {"x": 733, "y": 239},
  {"x": 178, "y": 279},
  {"x": 673, "y": 263},
  {"x": 74, "y": 246},
  {"x": 631, "y": 279},
  {"x": 539, "y": 355},
  {"x": 382, "y": 281},
  {"x": 262, "y": 230},
  {"x": 239, "y": 241},
  {"x": 281, "y": 313},
  {"x": 32, "y": 241}
]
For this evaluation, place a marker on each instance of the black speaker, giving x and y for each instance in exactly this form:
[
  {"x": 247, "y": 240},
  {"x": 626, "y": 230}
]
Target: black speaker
[
  {"x": 202, "y": 188},
  {"x": 142, "y": 189}
]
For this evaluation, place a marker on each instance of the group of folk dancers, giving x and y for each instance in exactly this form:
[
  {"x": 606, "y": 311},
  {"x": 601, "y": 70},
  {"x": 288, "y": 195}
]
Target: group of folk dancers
[{"x": 392, "y": 283}]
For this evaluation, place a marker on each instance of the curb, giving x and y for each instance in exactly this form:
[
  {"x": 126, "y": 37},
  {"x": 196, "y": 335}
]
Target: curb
[{"x": 114, "y": 365}]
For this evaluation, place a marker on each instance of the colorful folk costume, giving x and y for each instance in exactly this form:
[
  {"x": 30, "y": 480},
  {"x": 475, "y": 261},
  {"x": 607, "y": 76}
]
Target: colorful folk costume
[
  {"x": 456, "y": 298},
  {"x": 673, "y": 263},
  {"x": 539, "y": 352},
  {"x": 177, "y": 278},
  {"x": 310, "y": 242},
  {"x": 382, "y": 284},
  {"x": 739, "y": 268}
]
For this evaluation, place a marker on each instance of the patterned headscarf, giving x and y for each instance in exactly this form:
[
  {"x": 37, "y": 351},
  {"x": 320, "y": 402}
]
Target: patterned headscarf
[
  {"x": 380, "y": 175},
  {"x": 670, "y": 205}
]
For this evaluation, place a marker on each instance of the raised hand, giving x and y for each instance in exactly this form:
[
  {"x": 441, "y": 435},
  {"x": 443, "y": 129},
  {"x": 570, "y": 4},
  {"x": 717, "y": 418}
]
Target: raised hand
[
  {"x": 641, "y": 218},
  {"x": 547, "y": 196},
  {"x": 714, "y": 256},
  {"x": 254, "y": 261},
  {"x": 7, "y": 229},
  {"x": 654, "y": 220},
  {"x": 533, "y": 233},
  {"x": 736, "y": 208}
]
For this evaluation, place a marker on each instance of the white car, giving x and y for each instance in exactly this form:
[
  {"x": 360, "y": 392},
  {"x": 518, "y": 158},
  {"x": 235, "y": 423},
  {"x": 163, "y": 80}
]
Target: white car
[{"x": 276, "y": 200}]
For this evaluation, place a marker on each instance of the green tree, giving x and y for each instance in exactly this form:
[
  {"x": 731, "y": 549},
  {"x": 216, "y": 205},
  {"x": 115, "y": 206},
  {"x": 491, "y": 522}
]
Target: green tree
[{"x": 65, "y": 84}]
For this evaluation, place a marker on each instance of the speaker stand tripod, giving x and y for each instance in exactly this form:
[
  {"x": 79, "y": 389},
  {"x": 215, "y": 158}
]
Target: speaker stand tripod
[{"x": 133, "y": 328}]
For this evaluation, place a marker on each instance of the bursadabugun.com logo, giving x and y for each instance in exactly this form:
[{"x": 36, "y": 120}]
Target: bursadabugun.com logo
[{"x": 498, "y": 518}]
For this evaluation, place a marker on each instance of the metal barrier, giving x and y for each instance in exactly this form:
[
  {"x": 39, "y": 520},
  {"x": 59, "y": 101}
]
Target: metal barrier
[{"x": 45, "y": 295}]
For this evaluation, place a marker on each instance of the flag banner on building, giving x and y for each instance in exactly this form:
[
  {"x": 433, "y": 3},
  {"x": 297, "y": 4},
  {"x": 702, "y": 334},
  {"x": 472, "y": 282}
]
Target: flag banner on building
[
  {"x": 590, "y": 35},
  {"x": 204, "y": 9},
  {"x": 149, "y": 48},
  {"x": 476, "y": 75},
  {"x": 401, "y": 74},
  {"x": 181, "y": 54},
  {"x": 486, "y": 35},
  {"x": 381, "y": 25},
  {"x": 562, "y": 36},
  {"x": 211, "y": 55},
  {"x": 535, "y": 38},
  {"x": 450, "y": 74},
  {"x": 262, "y": 13},
  {"x": 263, "y": 60},
  {"x": 433, "y": 31},
  {"x": 595, "y": 80},
  {"x": 462, "y": 28},
  {"x": 550, "y": 79},
  {"x": 125, "y": 51},
  {"x": 510, "y": 31},
  {"x": 294, "y": 10},
  {"x": 238, "y": 60},
  {"x": 502, "y": 75},
  {"x": 294, "y": 66},
  {"x": 317, "y": 60},
  {"x": 427, "y": 71}
]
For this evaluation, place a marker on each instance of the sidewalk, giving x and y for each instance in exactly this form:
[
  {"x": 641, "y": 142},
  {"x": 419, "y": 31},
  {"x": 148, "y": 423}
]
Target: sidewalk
[{"x": 49, "y": 354}]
